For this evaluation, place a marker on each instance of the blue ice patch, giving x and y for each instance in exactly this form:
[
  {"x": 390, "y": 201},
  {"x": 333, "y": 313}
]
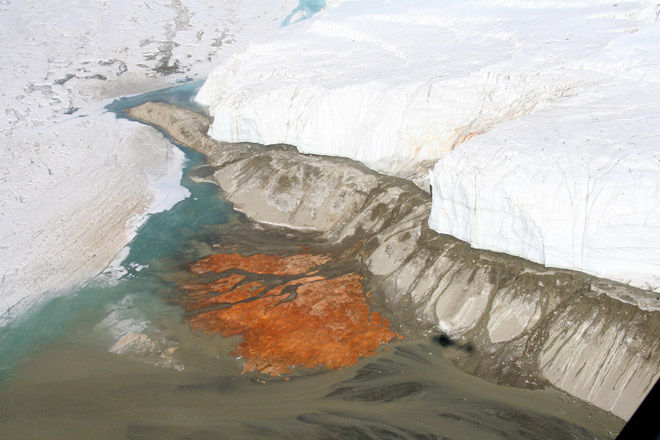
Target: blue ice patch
[{"x": 304, "y": 10}]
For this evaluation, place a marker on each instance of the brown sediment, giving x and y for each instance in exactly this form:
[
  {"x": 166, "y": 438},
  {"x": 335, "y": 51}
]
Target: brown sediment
[{"x": 307, "y": 320}]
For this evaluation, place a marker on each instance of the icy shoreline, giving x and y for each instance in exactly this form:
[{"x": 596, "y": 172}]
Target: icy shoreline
[
  {"x": 75, "y": 183},
  {"x": 63, "y": 235},
  {"x": 560, "y": 98}
]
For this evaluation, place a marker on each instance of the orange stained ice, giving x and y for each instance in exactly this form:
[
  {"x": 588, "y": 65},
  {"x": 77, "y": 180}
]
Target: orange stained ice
[{"x": 306, "y": 320}]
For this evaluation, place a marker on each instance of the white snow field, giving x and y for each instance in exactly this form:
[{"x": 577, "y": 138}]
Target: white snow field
[
  {"x": 75, "y": 183},
  {"x": 543, "y": 116}
]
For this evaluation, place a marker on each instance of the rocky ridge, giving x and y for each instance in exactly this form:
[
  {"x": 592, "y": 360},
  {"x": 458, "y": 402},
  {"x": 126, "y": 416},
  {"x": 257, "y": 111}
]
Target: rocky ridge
[{"x": 506, "y": 319}]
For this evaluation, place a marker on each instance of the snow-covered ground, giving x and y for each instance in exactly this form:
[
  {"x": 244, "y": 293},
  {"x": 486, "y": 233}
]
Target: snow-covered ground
[
  {"x": 543, "y": 116},
  {"x": 74, "y": 182}
]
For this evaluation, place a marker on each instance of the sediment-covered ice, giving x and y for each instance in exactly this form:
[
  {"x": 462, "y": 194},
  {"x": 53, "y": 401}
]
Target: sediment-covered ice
[{"x": 536, "y": 110}]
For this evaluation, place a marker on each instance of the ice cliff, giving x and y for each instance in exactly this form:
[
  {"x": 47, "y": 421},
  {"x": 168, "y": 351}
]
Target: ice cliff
[
  {"x": 576, "y": 185},
  {"x": 540, "y": 117}
]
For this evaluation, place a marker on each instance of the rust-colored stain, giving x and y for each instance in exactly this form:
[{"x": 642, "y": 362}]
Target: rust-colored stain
[{"x": 306, "y": 320}]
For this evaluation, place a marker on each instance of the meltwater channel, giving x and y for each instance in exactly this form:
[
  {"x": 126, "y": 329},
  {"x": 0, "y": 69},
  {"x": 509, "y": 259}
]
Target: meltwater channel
[{"x": 117, "y": 360}]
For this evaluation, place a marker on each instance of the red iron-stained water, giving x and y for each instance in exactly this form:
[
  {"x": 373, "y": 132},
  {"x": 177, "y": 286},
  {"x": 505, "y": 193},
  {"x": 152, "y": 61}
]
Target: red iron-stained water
[{"x": 307, "y": 320}]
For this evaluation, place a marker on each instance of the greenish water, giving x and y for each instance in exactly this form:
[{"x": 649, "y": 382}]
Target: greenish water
[{"x": 116, "y": 360}]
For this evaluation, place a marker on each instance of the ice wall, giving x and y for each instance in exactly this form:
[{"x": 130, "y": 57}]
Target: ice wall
[
  {"x": 399, "y": 85},
  {"x": 574, "y": 185}
]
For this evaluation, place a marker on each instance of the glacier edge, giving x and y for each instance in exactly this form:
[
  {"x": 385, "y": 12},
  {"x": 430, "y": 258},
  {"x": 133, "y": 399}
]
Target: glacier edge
[{"x": 566, "y": 95}]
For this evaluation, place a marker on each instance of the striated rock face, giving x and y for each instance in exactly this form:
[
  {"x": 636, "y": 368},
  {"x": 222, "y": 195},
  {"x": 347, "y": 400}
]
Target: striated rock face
[{"x": 525, "y": 325}]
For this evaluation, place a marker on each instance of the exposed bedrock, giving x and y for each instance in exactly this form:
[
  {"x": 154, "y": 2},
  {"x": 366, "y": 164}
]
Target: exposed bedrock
[{"x": 512, "y": 321}]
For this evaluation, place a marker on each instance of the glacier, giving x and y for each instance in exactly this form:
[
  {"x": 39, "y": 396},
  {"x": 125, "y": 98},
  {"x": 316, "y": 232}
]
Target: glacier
[{"x": 537, "y": 122}]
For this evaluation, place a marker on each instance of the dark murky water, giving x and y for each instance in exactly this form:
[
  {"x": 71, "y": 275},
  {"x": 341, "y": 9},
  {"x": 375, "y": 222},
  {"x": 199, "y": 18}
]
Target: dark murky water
[{"x": 116, "y": 360}]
